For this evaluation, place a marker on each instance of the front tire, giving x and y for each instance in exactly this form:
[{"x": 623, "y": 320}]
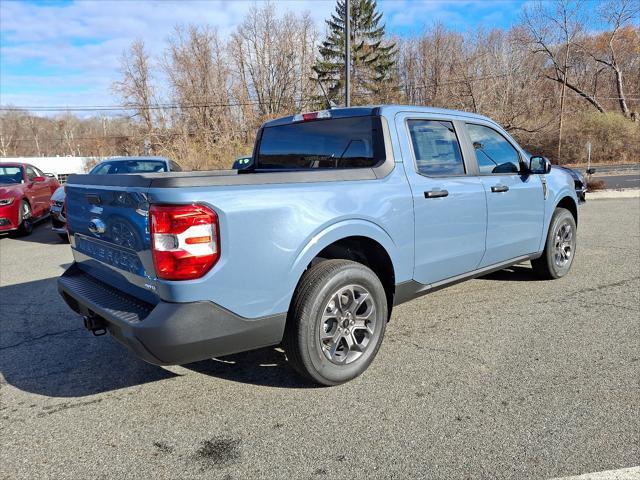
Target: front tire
[
  {"x": 560, "y": 247},
  {"x": 336, "y": 323},
  {"x": 25, "y": 221}
]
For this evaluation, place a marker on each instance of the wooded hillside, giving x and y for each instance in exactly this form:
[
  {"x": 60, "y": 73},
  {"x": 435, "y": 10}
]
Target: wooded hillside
[{"x": 202, "y": 100}]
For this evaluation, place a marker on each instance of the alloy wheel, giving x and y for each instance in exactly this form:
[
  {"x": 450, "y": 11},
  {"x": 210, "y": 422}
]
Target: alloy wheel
[
  {"x": 563, "y": 245},
  {"x": 348, "y": 324}
]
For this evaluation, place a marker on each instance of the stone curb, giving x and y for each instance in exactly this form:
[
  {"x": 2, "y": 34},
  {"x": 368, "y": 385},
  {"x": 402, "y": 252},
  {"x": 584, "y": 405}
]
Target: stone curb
[{"x": 602, "y": 194}]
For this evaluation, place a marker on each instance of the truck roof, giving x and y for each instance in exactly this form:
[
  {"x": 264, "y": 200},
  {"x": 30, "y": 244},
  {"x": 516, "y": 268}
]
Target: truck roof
[{"x": 389, "y": 110}]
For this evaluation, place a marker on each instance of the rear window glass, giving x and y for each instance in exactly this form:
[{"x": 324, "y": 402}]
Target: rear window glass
[
  {"x": 353, "y": 142},
  {"x": 129, "y": 166}
]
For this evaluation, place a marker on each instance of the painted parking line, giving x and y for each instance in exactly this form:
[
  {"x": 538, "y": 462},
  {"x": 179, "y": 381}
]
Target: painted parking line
[{"x": 632, "y": 473}]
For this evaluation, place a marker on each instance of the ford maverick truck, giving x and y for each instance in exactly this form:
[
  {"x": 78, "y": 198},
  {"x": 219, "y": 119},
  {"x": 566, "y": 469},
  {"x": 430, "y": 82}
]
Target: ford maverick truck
[{"x": 341, "y": 215}]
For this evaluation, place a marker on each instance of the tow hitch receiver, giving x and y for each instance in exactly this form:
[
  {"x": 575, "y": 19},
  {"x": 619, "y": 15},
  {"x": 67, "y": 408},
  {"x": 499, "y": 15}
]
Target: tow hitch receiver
[{"x": 96, "y": 325}]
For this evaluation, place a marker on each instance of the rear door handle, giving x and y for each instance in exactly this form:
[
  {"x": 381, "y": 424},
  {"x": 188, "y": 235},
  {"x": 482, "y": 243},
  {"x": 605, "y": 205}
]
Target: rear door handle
[
  {"x": 436, "y": 194},
  {"x": 499, "y": 188}
]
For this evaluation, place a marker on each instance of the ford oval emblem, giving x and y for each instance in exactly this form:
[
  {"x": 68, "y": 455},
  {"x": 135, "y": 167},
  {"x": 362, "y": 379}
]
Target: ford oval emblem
[{"x": 97, "y": 226}]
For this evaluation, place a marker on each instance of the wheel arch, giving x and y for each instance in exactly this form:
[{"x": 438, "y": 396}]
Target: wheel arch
[
  {"x": 368, "y": 252},
  {"x": 360, "y": 241},
  {"x": 570, "y": 204}
]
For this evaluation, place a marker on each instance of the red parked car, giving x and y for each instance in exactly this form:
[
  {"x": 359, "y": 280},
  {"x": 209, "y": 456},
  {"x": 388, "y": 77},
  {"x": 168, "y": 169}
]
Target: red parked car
[{"x": 25, "y": 194}]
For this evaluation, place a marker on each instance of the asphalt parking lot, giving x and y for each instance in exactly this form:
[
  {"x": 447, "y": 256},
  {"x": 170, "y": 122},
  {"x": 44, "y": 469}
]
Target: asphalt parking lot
[{"x": 500, "y": 377}]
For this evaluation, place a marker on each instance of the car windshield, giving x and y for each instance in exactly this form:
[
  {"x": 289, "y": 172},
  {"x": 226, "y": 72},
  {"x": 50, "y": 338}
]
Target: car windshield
[
  {"x": 10, "y": 175},
  {"x": 336, "y": 143},
  {"x": 129, "y": 166}
]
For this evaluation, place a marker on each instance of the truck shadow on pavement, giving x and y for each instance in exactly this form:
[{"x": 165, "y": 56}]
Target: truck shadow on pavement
[
  {"x": 516, "y": 273},
  {"x": 44, "y": 349},
  {"x": 263, "y": 367}
]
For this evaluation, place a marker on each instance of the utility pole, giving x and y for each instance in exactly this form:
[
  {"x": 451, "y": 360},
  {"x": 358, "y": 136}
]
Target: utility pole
[
  {"x": 562, "y": 97},
  {"x": 347, "y": 54}
]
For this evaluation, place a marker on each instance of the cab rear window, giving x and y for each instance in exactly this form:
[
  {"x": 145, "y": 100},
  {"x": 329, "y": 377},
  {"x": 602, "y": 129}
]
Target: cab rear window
[{"x": 354, "y": 142}]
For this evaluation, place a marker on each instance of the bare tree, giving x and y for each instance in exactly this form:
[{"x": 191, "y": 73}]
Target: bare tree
[
  {"x": 10, "y": 127},
  {"x": 199, "y": 76},
  {"x": 618, "y": 14},
  {"x": 273, "y": 57},
  {"x": 554, "y": 34},
  {"x": 135, "y": 87}
]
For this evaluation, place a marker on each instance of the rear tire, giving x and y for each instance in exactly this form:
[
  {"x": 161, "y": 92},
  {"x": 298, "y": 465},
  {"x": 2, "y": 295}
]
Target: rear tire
[
  {"x": 25, "y": 222},
  {"x": 336, "y": 323},
  {"x": 560, "y": 247}
]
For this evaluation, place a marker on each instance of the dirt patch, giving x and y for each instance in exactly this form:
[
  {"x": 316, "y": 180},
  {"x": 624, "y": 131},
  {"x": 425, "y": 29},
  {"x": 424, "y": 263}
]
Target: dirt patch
[
  {"x": 163, "y": 447},
  {"x": 219, "y": 451}
]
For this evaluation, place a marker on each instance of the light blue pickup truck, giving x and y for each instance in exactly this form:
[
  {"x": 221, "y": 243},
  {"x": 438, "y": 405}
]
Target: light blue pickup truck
[{"x": 341, "y": 215}]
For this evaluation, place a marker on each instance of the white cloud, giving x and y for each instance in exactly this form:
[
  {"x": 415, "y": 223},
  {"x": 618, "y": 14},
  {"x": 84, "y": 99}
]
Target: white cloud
[
  {"x": 69, "y": 53},
  {"x": 87, "y": 39}
]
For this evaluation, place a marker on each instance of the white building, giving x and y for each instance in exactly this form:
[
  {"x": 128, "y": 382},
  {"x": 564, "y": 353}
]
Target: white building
[{"x": 61, "y": 167}]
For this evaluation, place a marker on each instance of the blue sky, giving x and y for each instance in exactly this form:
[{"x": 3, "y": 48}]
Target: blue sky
[{"x": 67, "y": 52}]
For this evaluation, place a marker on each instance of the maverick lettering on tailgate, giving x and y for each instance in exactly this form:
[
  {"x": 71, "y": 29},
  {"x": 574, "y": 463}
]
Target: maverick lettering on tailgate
[{"x": 114, "y": 256}]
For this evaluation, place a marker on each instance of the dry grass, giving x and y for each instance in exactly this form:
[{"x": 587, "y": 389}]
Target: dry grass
[{"x": 594, "y": 184}]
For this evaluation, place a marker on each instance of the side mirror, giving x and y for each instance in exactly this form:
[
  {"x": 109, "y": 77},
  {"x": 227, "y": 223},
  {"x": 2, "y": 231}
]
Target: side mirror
[
  {"x": 591, "y": 171},
  {"x": 38, "y": 179},
  {"x": 539, "y": 165},
  {"x": 242, "y": 163}
]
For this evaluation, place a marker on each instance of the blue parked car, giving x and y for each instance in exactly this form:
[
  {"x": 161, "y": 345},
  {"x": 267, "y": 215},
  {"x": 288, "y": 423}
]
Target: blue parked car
[{"x": 341, "y": 215}]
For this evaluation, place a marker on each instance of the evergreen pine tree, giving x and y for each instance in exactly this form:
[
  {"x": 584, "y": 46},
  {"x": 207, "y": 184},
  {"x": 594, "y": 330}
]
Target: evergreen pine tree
[{"x": 372, "y": 58}]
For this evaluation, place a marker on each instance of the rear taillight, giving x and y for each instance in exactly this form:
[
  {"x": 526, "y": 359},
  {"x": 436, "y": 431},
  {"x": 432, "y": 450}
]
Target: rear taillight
[{"x": 184, "y": 240}]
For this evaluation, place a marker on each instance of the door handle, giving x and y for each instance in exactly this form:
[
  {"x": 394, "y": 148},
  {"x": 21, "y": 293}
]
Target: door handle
[
  {"x": 499, "y": 188},
  {"x": 436, "y": 194}
]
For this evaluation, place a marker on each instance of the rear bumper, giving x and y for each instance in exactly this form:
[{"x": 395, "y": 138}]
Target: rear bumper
[
  {"x": 58, "y": 222},
  {"x": 582, "y": 194},
  {"x": 167, "y": 333}
]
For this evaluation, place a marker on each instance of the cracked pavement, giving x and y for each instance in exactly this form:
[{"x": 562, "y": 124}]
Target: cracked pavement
[{"x": 499, "y": 377}]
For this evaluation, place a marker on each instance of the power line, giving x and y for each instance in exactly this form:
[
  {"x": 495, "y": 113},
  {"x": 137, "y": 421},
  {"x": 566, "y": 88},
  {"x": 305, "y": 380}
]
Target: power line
[
  {"x": 168, "y": 106},
  {"x": 125, "y": 136},
  {"x": 175, "y": 106},
  {"x": 301, "y": 100}
]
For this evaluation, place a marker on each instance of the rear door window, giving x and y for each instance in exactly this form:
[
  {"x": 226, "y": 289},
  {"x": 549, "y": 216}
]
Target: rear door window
[
  {"x": 31, "y": 173},
  {"x": 435, "y": 148},
  {"x": 354, "y": 142}
]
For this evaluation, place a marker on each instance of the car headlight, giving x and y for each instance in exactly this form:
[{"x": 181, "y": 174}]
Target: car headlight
[{"x": 6, "y": 201}]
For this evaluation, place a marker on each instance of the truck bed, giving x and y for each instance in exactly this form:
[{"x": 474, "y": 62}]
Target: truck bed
[{"x": 229, "y": 177}]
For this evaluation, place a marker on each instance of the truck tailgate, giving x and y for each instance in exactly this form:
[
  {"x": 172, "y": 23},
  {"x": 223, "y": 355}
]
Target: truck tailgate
[{"x": 110, "y": 239}]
